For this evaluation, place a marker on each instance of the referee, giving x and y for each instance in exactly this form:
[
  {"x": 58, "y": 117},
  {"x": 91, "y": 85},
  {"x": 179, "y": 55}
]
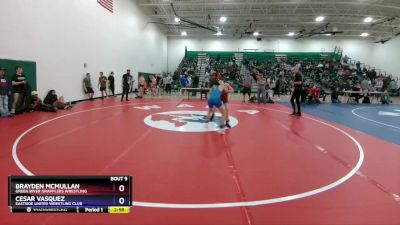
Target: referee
[
  {"x": 298, "y": 84},
  {"x": 126, "y": 79}
]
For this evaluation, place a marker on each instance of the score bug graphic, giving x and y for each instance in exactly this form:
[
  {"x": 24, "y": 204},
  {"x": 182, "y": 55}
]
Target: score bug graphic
[{"x": 87, "y": 194}]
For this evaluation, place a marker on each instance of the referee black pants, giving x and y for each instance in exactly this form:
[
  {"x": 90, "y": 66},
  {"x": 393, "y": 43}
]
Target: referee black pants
[
  {"x": 296, "y": 95},
  {"x": 125, "y": 91}
]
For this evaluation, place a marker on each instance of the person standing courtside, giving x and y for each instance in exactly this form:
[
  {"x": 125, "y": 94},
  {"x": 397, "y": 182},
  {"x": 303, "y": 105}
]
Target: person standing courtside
[
  {"x": 111, "y": 83},
  {"x": 261, "y": 91},
  {"x": 87, "y": 86},
  {"x": 103, "y": 85},
  {"x": 18, "y": 82},
  {"x": 298, "y": 84},
  {"x": 167, "y": 80},
  {"x": 247, "y": 83},
  {"x": 4, "y": 92},
  {"x": 131, "y": 81},
  {"x": 126, "y": 79}
]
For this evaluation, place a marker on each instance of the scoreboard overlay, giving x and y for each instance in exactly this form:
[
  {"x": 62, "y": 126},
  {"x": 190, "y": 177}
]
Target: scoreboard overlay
[{"x": 70, "y": 194}]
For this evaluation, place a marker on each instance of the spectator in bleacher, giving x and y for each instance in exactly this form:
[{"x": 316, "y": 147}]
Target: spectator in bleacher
[
  {"x": 216, "y": 75},
  {"x": 358, "y": 68},
  {"x": 365, "y": 84},
  {"x": 261, "y": 89},
  {"x": 247, "y": 83},
  {"x": 87, "y": 86},
  {"x": 378, "y": 84},
  {"x": 386, "y": 82},
  {"x": 364, "y": 71},
  {"x": 4, "y": 93},
  {"x": 298, "y": 86},
  {"x": 372, "y": 75},
  {"x": 345, "y": 59},
  {"x": 392, "y": 88},
  {"x": 207, "y": 76},
  {"x": 111, "y": 83},
  {"x": 398, "y": 82}
]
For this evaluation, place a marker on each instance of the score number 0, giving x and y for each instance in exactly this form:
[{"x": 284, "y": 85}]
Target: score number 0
[{"x": 121, "y": 200}]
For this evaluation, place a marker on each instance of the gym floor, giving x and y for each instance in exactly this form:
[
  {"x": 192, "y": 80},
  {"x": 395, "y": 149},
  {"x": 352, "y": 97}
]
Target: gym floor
[{"x": 338, "y": 164}]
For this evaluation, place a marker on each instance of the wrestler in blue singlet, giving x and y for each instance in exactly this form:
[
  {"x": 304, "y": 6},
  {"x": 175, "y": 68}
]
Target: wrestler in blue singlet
[{"x": 215, "y": 97}]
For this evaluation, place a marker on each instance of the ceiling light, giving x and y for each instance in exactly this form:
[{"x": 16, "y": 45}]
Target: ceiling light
[
  {"x": 328, "y": 34},
  {"x": 183, "y": 33},
  {"x": 177, "y": 19},
  {"x": 218, "y": 33},
  {"x": 368, "y": 19},
  {"x": 319, "y": 19},
  {"x": 222, "y": 19},
  {"x": 364, "y": 34},
  {"x": 290, "y": 34},
  {"x": 256, "y": 33}
]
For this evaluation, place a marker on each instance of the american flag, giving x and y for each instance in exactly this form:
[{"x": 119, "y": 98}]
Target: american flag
[{"x": 108, "y": 4}]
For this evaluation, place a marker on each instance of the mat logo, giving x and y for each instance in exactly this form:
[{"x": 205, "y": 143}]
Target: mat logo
[{"x": 186, "y": 121}]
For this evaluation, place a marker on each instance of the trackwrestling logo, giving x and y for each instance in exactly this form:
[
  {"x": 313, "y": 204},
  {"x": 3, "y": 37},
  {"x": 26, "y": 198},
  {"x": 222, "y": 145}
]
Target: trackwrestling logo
[{"x": 186, "y": 121}]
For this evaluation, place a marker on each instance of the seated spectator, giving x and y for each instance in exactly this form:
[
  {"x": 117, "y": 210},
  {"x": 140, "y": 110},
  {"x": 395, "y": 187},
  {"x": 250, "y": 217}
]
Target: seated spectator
[
  {"x": 345, "y": 59},
  {"x": 379, "y": 84},
  {"x": 366, "y": 99},
  {"x": 314, "y": 95},
  {"x": 392, "y": 88},
  {"x": 365, "y": 84},
  {"x": 304, "y": 93},
  {"x": 52, "y": 99},
  {"x": 38, "y": 105},
  {"x": 385, "y": 98},
  {"x": 357, "y": 96},
  {"x": 335, "y": 96},
  {"x": 36, "y": 102}
]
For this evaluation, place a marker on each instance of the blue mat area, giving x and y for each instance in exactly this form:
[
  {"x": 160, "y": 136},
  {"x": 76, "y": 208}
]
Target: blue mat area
[{"x": 382, "y": 121}]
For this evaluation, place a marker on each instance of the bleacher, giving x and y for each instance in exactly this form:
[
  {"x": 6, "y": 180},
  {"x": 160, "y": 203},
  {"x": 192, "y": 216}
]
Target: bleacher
[{"x": 259, "y": 59}]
